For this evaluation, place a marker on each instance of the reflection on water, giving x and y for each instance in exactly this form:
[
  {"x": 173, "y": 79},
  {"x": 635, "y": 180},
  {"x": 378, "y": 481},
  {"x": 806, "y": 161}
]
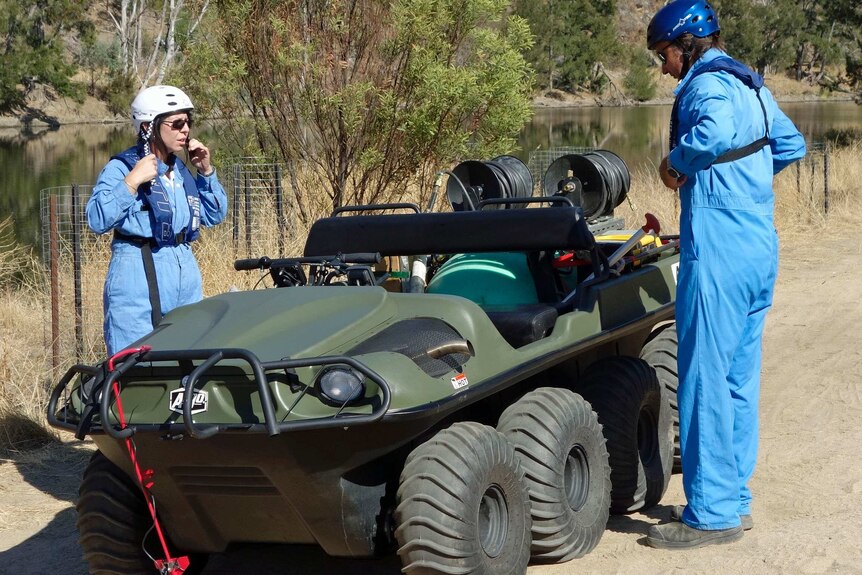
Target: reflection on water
[
  {"x": 640, "y": 135},
  {"x": 68, "y": 155},
  {"x": 76, "y": 154}
]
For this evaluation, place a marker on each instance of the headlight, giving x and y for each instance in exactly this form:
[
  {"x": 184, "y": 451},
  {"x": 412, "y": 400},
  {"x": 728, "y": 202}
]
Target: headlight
[{"x": 340, "y": 385}]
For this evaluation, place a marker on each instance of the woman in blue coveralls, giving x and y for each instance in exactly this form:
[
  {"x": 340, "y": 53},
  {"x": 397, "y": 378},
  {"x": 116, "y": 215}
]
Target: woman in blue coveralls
[
  {"x": 155, "y": 206},
  {"x": 728, "y": 139}
]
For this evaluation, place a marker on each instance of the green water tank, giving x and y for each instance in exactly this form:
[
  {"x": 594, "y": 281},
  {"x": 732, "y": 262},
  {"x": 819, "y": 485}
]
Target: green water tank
[{"x": 492, "y": 280}]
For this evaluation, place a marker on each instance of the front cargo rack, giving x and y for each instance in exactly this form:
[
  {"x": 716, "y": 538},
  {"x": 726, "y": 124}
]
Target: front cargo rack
[{"x": 95, "y": 379}]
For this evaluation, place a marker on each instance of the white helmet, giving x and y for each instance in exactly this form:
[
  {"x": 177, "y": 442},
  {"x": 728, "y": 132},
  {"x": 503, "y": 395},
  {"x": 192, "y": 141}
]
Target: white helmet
[{"x": 157, "y": 100}]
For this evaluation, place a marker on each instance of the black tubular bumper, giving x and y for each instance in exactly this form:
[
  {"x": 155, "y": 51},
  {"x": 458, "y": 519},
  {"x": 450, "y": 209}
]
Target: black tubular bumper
[{"x": 99, "y": 398}]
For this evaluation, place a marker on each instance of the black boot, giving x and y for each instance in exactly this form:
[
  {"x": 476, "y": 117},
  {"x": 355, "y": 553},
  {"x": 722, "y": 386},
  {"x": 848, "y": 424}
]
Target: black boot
[{"x": 678, "y": 535}]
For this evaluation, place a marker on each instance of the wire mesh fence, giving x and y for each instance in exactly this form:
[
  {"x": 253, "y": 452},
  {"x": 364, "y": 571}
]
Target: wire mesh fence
[
  {"x": 539, "y": 161},
  {"x": 260, "y": 206},
  {"x": 77, "y": 261}
]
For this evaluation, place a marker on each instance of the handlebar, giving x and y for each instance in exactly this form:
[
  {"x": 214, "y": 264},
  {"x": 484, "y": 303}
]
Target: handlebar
[{"x": 267, "y": 263}]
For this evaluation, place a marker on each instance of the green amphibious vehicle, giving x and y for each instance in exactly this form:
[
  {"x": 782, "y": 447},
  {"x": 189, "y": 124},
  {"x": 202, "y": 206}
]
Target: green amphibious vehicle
[{"x": 495, "y": 417}]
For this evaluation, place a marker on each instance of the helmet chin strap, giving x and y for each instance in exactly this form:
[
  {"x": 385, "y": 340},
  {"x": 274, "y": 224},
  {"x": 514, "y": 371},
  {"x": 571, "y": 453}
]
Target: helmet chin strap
[
  {"x": 686, "y": 57},
  {"x": 144, "y": 137}
]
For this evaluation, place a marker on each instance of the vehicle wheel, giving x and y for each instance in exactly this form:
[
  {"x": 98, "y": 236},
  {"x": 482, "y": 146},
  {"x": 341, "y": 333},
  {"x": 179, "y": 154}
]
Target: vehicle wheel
[
  {"x": 636, "y": 422},
  {"x": 560, "y": 444},
  {"x": 661, "y": 352},
  {"x": 463, "y": 506},
  {"x": 113, "y": 520}
]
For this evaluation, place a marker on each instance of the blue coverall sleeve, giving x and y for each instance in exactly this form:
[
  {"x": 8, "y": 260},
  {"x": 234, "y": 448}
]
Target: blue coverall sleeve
[
  {"x": 785, "y": 140},
  {"x": 213, "y": 199},
  {"x": 111, "y": 202},
  {"x": 709, "y": 107}
]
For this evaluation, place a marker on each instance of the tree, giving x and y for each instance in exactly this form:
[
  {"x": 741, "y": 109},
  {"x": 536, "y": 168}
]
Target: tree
[
  {"x": 32, "y": 50},
  {"x": 367, "y": 96},
  {"x": 639, "y": 83},
  {"x": 847, "y": 15},
  {"x": 150, "y": 34},
  {"x": 572, "y": 37}
]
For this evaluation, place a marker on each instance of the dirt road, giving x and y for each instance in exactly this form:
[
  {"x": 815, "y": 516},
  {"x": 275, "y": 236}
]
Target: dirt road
[{"x": 808, "y": 484}]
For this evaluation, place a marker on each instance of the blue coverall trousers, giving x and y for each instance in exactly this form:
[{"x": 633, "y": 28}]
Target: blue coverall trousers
[{"x": 726, "y": 277}]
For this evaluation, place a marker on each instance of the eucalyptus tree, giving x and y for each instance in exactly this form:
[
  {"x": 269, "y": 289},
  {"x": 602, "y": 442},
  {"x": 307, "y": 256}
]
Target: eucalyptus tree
[
  {"x": 572, "y": 37},
  {"x": 363, "y": 99},
  {"x": 33, "y": 50},
  {"x": 150, "y": 32},
  {"x": 763, "y": 34}
]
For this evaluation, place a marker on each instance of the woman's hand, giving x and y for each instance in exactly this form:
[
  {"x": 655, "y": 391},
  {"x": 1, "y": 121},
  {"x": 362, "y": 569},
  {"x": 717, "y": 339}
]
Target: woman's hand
[
  {"x": 199, "y": 155},
  {"x": 145, "y": 170}
]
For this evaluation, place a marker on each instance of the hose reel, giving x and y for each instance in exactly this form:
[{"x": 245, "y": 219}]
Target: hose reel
[
  {"x": 597, "y": 181},
  {"x": 474, "y": 181}
]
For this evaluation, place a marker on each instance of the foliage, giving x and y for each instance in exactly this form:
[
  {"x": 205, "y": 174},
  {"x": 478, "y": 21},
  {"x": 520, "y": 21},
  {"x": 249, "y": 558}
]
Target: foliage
[
  {"x": 367, "y": 96},
  {"x": 639, "y": 83},
  {"x": 32, "y": 49},
  {"x": 761, "y": 34},
  {"x": 805, "y": 36},
  {"x": 119, "y": 92},
  {"x": 151, "y": 34},
  {"x": 843, "y": 137},
  {"x": 572, "y": 37}
]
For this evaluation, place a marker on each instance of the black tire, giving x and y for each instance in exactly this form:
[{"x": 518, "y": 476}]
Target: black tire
[
  {"x": 112, "y": 522},
  {"x": 463, "y": 506},
  {"x": 661, "y": 353},
  {"x": 636, "y": 422},
  {"x": 559, "y": 441}
]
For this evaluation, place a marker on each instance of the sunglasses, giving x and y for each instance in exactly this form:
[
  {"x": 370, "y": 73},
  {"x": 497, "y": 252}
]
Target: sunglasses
[
  {"x": 662, "y": 58},
  {"x": 180, "y": 123}
]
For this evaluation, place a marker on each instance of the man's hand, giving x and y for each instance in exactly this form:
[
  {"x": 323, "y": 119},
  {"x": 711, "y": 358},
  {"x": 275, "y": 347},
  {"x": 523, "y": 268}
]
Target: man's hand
[
  {"x": 667, "y": 179},
  {"x": 199, "y": 155}
]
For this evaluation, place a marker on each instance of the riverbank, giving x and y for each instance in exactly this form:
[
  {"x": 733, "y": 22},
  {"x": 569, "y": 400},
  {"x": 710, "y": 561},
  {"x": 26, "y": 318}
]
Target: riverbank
[{"x": 44, "y": 108}]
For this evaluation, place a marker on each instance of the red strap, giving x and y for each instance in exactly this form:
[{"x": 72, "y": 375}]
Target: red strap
[
  {"x": 568, "y": 260},
  {"x": 168, "y": 566}
]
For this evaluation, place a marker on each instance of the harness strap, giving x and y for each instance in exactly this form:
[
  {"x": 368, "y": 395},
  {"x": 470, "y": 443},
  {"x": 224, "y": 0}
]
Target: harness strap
[
  {"x": 734, "y": 155},
  {"x": 152, "y": 284}
]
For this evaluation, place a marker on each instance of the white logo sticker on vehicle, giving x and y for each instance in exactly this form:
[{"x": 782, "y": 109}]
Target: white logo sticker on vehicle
[
  {"x": 460, "y": 381},
  {"x": 674, "y": 268},
  {"x": 199, "y": 401}
]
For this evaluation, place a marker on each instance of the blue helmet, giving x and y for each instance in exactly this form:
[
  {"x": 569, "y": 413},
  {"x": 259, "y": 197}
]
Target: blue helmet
[{"x": 695, "y": 17}]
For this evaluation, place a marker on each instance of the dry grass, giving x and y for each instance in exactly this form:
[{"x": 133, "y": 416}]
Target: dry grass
[
  {"x": 26, "y": 374},
  {"x": 24, "y": 360}
]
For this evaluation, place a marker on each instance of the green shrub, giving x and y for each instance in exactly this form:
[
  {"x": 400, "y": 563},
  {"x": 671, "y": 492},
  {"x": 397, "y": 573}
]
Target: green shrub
[{"x": 639, "y": 82}]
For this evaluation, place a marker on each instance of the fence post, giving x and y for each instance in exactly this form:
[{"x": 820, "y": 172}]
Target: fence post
[
  {"x": 826, "y": 179},
  {"x": 799, "y": 178},
  {"x": 54, "y": 257},
  {"x": 76, "y": 272},
  {"x": 246, "y": 192},
  {"x": 279, "y": 209},
  {"x": 812, "y": 182},
  {"x": 237, "y": 176}
]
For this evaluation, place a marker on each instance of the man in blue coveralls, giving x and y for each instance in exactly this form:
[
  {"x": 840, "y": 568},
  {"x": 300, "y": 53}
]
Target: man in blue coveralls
[
  {"x": 155, "y": 207},
  {"x": 728, "y": 139}
]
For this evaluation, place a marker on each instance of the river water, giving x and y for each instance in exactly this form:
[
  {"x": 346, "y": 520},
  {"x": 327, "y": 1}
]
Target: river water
[{"x": 75, "y": 154}]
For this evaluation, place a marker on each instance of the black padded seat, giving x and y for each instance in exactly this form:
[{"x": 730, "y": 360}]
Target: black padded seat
[{"x": 524, "y": 324}]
